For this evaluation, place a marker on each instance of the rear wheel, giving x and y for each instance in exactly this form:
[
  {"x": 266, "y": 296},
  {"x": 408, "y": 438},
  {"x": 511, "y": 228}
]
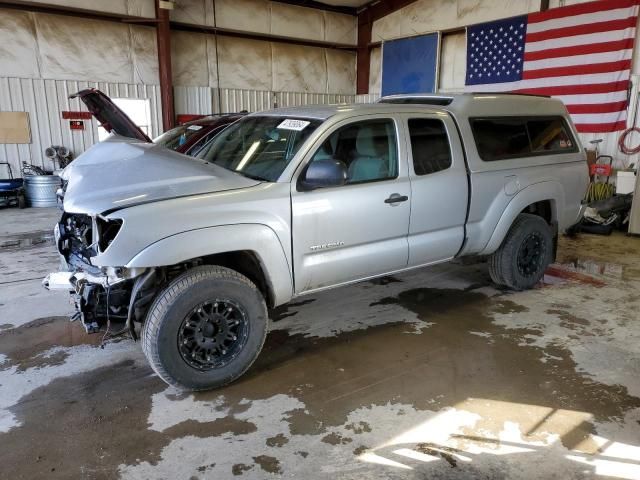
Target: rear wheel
[
  {"x": 205, "y": 329},
  {"x": 524, "y": 255}
]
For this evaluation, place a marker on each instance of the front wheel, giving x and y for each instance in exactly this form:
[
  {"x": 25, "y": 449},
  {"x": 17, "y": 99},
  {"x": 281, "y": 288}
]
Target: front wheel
[
  {"x": 524, "y": 255},
  {"x": 205, "y": 329}
]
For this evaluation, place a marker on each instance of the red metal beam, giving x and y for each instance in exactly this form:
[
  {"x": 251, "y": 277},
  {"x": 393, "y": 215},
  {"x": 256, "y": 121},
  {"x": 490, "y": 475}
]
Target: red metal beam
[
  {"x": 267, "y": 37},
  {"x": 163, "y": 35},
  {"x": 386, "y": 7},
  {"x": 363, "y": 59},
  {"x": 73, "y": 12},
  {"x": 320, "y": 6},
  {"x": 366, "y": 17}
]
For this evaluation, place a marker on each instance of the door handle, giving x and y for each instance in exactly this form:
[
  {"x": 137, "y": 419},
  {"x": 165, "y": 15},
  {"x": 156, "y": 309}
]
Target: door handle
[{"x": 396, "y": 198}]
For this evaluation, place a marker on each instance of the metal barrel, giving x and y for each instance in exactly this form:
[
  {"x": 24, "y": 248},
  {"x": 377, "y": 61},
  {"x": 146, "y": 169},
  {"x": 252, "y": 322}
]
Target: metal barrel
[{"x": 40, "y": 190}]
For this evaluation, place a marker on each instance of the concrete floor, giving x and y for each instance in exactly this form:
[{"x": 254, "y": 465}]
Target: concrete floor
[{"x": 432, "y": 374}]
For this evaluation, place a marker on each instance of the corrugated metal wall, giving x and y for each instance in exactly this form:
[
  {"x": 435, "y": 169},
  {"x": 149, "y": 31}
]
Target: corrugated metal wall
[
  {"x": 44, "y": 100},
  {"x": 291, "y": 99},
  {"x": 237, "y": 99},
  {"x": 205, "y": 100},
  {"x": 367, "y": 98}
]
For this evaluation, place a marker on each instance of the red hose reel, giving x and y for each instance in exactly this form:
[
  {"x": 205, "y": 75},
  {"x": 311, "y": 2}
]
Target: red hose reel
[{"x": 622, "y": 142}]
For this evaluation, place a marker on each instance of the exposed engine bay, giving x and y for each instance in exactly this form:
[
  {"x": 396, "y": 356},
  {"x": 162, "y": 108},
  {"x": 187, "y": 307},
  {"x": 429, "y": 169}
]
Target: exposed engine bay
[{"x": 102, "y": 295}]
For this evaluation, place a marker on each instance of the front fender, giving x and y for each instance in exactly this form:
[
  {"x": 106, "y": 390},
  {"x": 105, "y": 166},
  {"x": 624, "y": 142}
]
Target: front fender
[
  {"x": 533, "y": 193},
  {"x": 259, "y": 239}
]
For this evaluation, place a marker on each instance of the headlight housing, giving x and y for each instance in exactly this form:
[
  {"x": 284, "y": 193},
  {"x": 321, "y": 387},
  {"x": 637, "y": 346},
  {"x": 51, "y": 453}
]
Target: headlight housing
[{"x": 107, "y": 229}]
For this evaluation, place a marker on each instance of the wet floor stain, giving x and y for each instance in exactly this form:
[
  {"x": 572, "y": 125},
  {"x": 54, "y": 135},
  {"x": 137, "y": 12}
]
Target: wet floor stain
[
  {"x": 43, "y": 238},
  {"x": 98, "y": 420},
  {"x": 277, "y": 441},
  {"x": 240, "y": 468},
  {"x": 336, "y": 439},
  {"x": 283, "y": 311},
  {"x": 28, "y": 346},
  {"x": 268, "y": 464},
  {"x": 87, "y": 425}
]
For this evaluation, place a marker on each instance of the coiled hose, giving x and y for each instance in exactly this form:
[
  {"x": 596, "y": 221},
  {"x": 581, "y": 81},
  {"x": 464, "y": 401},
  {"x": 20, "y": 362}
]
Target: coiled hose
[
  {"x": 622, "y": 142},
  {"x": 599, "y": 191}
]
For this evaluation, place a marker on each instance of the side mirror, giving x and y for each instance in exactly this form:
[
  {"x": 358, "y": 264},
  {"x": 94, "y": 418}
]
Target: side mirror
[{"x": 324, "y": 173}]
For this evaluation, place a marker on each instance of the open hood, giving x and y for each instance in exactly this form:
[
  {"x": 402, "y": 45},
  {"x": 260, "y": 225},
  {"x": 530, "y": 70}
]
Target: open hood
[
  {"x": 109, "y": 115},
  {"x": 121, "y": 172}
]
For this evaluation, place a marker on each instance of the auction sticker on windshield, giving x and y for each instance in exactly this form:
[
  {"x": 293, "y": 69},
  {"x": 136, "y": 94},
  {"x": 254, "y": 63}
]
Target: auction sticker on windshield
[{"x": 292, "y": 124}]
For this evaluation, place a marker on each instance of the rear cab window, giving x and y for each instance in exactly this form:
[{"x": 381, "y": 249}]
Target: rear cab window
[{"x": 502, "y": 138}]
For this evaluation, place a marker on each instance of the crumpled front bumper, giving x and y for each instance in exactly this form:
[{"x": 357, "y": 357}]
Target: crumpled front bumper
[
  {"x": 58, "y": 281},
  {"x": 91, "y": 287}
]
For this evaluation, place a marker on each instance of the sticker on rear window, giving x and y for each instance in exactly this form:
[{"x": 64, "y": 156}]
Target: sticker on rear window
[
  {"x": 292, "y": 124},
  {"x": 194, "y": 127}
]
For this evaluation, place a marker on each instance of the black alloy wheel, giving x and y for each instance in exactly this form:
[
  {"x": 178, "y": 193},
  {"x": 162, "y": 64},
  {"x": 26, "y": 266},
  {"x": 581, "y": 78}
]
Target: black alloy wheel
[
  {"x": 205, "y": 328},
  {"x": 213, "y": 334},
  {"x": 531, "y": 254}
]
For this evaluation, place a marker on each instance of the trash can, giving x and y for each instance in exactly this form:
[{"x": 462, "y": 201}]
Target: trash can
[{"x": 40, "y": 190}]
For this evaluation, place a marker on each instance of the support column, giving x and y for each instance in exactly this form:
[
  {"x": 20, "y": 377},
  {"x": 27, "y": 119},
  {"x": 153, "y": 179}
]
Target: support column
[
  {"x": 363, "y": 60},
  {"x": 163, "y": 36}
]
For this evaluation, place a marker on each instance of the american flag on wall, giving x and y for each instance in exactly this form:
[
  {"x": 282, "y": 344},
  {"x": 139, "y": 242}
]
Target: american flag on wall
[{"x": 580, "y": 54}]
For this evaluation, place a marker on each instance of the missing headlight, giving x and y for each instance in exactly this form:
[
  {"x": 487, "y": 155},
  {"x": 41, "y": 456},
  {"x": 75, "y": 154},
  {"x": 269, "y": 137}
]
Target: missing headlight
[{"x": 107, "y": 231}]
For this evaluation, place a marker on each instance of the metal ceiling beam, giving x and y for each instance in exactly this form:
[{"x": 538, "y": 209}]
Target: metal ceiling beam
[
  {"x": 180, "y": 26},
  {"x": 267, "y": 37},
  {"x": 321, "y": 6},
  {"x": 377, "y": 10},
  {"x": 74, "y": 12}
]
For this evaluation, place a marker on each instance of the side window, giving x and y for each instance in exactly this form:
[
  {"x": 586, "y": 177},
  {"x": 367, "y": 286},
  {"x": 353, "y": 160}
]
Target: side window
[
  {"x": 502, "y": 138},
  {"x": 429, "y": 145},
  {"x": 549, "y": 135},
  {"x": 368, "y": 149},
  {"x": 499, "y": 138}
]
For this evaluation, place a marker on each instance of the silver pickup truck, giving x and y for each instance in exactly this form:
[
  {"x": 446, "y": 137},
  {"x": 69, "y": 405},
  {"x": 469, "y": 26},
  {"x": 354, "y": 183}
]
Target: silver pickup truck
[{"x": 292, "y": 201}]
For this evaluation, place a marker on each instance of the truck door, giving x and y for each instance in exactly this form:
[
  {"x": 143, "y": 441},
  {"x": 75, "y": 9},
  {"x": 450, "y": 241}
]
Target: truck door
[
  {"x": 357, "y": 230},
  {"x": 439, "y": 187}
]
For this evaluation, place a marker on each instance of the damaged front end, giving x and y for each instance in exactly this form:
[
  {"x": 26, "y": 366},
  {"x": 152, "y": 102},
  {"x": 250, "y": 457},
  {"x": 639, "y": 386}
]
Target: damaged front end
[{"x": 102, "y": 295}]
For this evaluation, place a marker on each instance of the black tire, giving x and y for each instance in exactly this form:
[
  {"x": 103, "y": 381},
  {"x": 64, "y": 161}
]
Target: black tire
[
  {"x": 524, "y": 255},
  {"x": 182, "y": 302}
]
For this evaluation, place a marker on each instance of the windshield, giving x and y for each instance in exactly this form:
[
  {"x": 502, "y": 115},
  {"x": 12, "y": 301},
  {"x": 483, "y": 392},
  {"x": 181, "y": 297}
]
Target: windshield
[
  {"x": 176, "y": 137},
  {"x": 259, "y": 147}
]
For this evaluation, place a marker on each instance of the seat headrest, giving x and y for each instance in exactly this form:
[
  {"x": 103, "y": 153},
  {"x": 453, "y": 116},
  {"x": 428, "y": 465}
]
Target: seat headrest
[{"x": 372, "y": 140}]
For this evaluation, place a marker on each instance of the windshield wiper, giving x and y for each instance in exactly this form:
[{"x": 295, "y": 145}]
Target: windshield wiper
[
  {"x": 240, "y": 172},
  {"x": 253, "y": 177}
]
